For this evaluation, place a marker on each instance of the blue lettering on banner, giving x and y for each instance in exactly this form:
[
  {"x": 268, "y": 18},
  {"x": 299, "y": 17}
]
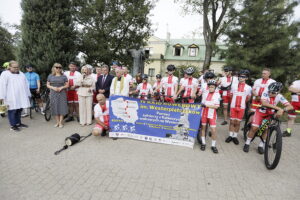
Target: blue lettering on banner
[{"x": 169, "y": 123}]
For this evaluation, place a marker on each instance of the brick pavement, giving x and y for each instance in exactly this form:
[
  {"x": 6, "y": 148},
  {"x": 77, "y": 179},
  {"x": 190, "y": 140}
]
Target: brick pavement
[{"x": 101, "y": 168}]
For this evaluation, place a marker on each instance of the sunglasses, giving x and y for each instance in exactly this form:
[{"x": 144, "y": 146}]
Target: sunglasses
[
  {"x": 242, "y": 76},
  {"x": 226, "y": 71},
  {"x": 58, "y": 67},
  {"x": 273, "y": 92}
]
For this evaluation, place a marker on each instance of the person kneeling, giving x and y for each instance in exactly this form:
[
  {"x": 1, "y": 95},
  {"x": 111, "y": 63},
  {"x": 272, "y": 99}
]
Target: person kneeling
[{"x": 101, "y": 114}]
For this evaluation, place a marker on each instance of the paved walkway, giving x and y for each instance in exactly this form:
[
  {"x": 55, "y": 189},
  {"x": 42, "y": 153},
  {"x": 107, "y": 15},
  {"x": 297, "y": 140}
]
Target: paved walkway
[{"x": 101, "y": 168}]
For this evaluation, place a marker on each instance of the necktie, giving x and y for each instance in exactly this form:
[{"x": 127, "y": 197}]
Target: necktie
[{"x": 103, "y": 80}]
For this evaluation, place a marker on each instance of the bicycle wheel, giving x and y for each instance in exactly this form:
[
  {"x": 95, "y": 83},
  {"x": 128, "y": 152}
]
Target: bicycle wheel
[
  {"x": 247, "y": 125},
  {"x": 273, "y": 147},
  {"x": 30, "y": 109},
  {"x": 47, "y": 111}
]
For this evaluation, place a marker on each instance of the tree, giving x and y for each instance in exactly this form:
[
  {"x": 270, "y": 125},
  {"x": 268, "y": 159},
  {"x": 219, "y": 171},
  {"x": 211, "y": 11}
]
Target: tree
[
  {"x": 48, "y": 34},
  {"x": 216, "y": 17},
  {"x": 110, "y": 28},
  {"x": 263, "y": 36},
  {"x": 6, "y": 45}
]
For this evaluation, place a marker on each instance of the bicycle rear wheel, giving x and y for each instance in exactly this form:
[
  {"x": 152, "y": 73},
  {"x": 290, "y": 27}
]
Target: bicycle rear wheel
[
  {"x": 273, "y": 147},
  {"x": 47, "y": 111}
]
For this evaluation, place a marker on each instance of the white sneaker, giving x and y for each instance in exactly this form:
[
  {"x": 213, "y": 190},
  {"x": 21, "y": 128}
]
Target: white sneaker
[{"x": 24, "y": 115}]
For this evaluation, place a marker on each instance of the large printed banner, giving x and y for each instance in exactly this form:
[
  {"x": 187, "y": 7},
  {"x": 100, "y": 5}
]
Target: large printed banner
[{"x": 153, "y": 121}]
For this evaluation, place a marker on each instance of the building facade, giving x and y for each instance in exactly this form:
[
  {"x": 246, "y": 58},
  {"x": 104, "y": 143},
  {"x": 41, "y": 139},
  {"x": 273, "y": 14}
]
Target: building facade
[{"x": 178, "y": 52}]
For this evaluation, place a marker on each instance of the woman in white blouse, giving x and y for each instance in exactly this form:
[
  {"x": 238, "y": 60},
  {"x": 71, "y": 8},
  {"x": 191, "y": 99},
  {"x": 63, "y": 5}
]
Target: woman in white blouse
[{"x": 86, "y": 85}]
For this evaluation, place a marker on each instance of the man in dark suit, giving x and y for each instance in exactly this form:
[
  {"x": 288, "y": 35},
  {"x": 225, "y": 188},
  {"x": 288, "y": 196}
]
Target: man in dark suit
[{"x": 104, "y": 81}]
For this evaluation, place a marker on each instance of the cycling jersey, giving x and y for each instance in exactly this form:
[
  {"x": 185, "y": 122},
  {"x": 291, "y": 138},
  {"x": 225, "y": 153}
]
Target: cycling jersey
[
  {"x": 156, "y": 85},
  {"x": 32, "y": 79},
  {"x": 260, "y": 86},
  {"x": 205, "y": 89},
  {"x": 240, "y": 93},
  {"x": 144, "y": 89},
  {"x": 72, "y": 79},
  {"x": 101, "y": 112},
  {"x": 209, "y": 115},
  {"x": 190, "y": 87},
  {"x": 169, "y": 84},
  {"x": 263, "y": 112}
]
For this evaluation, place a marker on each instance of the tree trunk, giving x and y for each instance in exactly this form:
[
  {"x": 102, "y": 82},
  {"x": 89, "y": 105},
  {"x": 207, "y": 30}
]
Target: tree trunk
[{"x": 208, "y": 55}]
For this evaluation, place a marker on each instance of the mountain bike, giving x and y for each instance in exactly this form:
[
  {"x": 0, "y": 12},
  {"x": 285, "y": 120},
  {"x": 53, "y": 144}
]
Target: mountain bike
[{"x": 46, "y": 99}]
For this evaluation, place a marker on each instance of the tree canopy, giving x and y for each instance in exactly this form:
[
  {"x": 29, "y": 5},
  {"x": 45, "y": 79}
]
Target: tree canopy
[{"x": 6, "y": 45}]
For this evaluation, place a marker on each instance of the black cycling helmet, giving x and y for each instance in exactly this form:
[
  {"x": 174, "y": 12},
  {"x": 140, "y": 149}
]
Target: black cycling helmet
[
  {"x": 227, "y": 68},
  {"x": 158, "y": 76},
  {"x": 212, "y": 82},
  {"x": 144, "y": 76},
  {"x": 209, "y": 75},
  {"x": 275, "y": 87},
  {"x": 171, "y": 68},
  {"x": 189, "y": 70},
  {"x": 244, "y": 72}
]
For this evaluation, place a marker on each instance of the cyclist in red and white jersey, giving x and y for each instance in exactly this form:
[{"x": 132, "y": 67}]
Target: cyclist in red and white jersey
[
  {"x": 72, "y": 96},
  {"x": 269, "y": 101},
  {"x": 182, "y": 79},
  {"x": 189, "y": 85},
  {"x": 240, "y": 93},
  {"x": 144, "y": 89},
  {"x": 211, "y": 102},
  {"x": 157, "y": 84},
  {"x": 225, "y": 85},
  {"x": 170, "y": 84},
  {"x": 295, "y": 90},
  {"x": 260, "y": 86},
  {"x": 204, "y": 86}
]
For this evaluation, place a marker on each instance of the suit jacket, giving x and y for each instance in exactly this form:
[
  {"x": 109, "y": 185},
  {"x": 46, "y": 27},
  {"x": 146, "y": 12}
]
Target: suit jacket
[{"x": 104, "y": 86}]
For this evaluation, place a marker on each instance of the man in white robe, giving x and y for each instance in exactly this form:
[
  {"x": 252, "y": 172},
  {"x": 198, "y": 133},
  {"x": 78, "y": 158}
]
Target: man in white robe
[
  {"x": 15, "y": 93},
  {"x": 119, "y": 85}
]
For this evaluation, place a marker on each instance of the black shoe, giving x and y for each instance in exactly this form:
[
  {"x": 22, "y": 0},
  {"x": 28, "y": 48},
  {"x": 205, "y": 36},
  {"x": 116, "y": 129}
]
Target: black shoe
[
  {"x": 229, "y": 139},
  {"x": 202, "y": 147},
  {"x": 286, "y": 134},
  {"x": 22, "y": 126},
  {"x": 115, "y": 138},
  {"x": 103, "y": 133},
  {"x": 246, "y": 148},
  {"x": 260, "y": 150},
  {"x": 235, "y": 141},
  {"x": 69, "y": 119},
  {"x": 3, "y": 115},
  {"x": 214, "y": 149},
  {"x": 78, "y": 119},
  {"x": 14, "y": 128},
  {"x": 224, "y": 123}
]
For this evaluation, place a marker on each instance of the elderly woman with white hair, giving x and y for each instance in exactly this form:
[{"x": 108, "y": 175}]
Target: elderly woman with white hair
[{"x": 86, "y": 85}]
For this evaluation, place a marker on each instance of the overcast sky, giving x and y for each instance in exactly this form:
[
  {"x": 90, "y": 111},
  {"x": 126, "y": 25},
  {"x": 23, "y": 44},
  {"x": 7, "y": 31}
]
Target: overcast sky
[{"x": 166, "y": 16}]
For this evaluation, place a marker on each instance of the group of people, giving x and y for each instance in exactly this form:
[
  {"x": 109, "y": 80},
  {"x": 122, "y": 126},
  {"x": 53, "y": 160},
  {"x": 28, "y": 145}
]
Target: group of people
[{"x": 75, "y": 94}]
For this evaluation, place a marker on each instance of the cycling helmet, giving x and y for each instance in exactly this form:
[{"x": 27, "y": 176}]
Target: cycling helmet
[
  {"x": 158, "y": 76},
  {"x": 189, "y": 70},
  {"x": 275, "y": 87},
  {"x": 212, "y": 82},
  {"x": 144, "y": 76},
  {"x": 227, "y": 68},
  {"x": 244, "y": 72},
  {"x": 5, "y": 65},
  {"x": 209, "y": 75},
  {"x": 171, "y": 68}
]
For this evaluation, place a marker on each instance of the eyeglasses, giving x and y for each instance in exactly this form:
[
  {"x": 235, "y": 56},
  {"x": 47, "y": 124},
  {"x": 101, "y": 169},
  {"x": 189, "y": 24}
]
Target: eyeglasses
[
  {"x": 226, "y": 71},
  {"x": 58, "y": 67}
]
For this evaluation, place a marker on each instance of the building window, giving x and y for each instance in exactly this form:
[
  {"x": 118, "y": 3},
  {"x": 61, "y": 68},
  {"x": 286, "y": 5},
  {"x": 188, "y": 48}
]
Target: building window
[
  {"x": 177, "y": 50},
  {"x": 193, "y": 50},
  {"x": 151, "y": 72}
]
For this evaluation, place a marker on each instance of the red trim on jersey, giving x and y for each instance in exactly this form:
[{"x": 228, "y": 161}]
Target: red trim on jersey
[
  {"x": 105, "y": 117},
  {"x": 238, "y": 100},
  {"x": 169, "y": 90},
  {"x": 189, "y": 91},
  {"x": 261, "y": 90},
  {"x": 71, "y": 82}
]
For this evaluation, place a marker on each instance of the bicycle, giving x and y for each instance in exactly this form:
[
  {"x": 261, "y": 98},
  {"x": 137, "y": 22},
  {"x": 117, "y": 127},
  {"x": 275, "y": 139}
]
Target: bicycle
[
  {"x": 33, "y": 106},
  {"x": 273, "y": 145}
]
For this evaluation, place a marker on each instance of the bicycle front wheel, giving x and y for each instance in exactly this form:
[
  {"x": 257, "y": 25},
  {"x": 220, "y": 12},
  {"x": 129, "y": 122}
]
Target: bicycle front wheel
[
  {"x": 47, "y": 111},
  {"x": 273, "y": 148},
  {"x": 247, "y": 125}
]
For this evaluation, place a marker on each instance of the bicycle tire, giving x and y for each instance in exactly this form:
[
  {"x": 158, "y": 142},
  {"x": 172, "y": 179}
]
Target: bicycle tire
[
  {"x": 30, "y": 113},
  {"x": 47, "y": 111},
  {"x": 270, "y": 146}
]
